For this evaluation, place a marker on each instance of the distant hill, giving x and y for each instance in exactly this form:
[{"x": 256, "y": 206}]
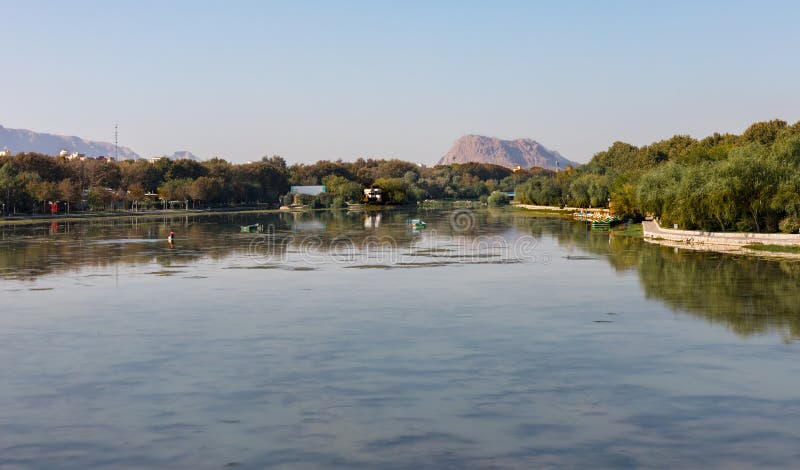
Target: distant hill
[
  {"x": 23, "y": 140},
  {"x": 183, "y": 155},
  {"x": 525, "y": 153}
]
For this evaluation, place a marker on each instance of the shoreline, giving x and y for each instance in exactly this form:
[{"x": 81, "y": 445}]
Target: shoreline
[
  {"x": 87, "y": 216},
  {"x": 652, "y": 230},
  {"x": 82, "y": 217},
  {"x": 759, "y": 245}
]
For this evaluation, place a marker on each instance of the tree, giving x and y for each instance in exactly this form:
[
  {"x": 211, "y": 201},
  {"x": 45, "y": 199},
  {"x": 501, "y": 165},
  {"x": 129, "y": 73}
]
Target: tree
[
  {"x": 343, "y": 188},
  {"x": 205, "y": 189},
  {"x": 183, "y": 169},
  {"x": 69, "y": 191},
  {"x": 497, "y": 198},
  {"x": 136, "y": 193},
  {"x": 98, "y": 198},
  {"x": 175, "y": 190},
  {"x": 395, "y": 190},
  {"x": 9, "y": 186},
  {"x": 764, "y": 132}
]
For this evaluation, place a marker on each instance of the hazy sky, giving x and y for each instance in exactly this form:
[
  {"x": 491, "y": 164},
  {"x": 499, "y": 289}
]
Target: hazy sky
[{"x": 344, "y": 79}]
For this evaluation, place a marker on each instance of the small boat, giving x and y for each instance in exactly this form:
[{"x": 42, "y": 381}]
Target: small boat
[
  {"x": 606, "y": 223},
  {"x": 252, "y": 228},
  {"x": 416, "y": 223}
]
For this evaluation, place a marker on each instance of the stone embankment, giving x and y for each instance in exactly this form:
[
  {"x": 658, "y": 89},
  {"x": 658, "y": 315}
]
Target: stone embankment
[
  {"x": 546, "y": 208},
  {"x": 651, "y": 230}
]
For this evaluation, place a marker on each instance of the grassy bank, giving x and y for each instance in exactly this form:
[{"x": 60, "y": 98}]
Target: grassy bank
[
  {"x": 773, "y": 248},
  {"x": 628, "y": 230},
  {"x": 540, "y": 212}
]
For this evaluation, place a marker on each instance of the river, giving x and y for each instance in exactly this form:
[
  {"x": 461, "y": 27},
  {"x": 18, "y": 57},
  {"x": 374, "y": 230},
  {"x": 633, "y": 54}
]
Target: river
[{"x": 486, "y": 339}]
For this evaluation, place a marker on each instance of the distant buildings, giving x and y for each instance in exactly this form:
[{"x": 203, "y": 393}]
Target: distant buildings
[
  {"x": 82, "y": 157},
  {"x": 373, "y": 195}
]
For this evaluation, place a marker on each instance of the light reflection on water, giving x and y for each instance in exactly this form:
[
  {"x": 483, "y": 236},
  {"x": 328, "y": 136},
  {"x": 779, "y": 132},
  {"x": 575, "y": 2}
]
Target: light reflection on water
[{"x": 603, "y": 353}]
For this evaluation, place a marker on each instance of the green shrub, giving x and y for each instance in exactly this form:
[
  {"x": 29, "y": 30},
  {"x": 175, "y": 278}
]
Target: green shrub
[
  {"x": 497, "y": 198},
  {"x": 789, "y": 224},
  {"x": 338, "y": 203}
]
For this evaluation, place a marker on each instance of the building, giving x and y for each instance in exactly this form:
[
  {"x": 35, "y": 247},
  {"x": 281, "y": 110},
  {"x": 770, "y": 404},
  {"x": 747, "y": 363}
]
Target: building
[
  {"x": 373, "y": 195},
  {"x": 5, "y": 153}
]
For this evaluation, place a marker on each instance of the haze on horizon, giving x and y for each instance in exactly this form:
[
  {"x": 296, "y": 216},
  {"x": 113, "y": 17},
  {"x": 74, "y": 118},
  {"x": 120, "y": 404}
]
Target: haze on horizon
[{"x": 329, "y": 80}]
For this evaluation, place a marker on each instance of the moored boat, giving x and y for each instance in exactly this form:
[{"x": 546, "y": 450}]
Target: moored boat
[
  {"x": 416, "y": 223},
  {"x": 252, "y": 228}
]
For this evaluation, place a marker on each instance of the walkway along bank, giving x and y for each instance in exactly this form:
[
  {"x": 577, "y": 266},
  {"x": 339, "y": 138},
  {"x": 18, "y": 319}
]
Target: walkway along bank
[{"x": 651, "y": 230}]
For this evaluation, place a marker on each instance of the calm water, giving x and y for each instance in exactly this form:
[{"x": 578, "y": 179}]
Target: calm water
[{"x": 486, "y": 340}]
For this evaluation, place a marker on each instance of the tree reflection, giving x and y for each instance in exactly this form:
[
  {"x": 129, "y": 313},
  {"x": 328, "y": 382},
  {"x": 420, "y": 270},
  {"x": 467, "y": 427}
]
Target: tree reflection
[{"x": 748, "y": 295}]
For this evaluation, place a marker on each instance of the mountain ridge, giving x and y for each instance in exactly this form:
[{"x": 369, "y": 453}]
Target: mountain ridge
[
  {"x": 523, "y": 152},
  {"x": 24, "y": 140}
]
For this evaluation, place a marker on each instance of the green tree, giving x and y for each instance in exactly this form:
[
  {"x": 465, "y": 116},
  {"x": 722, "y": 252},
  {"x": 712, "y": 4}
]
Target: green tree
[
  {"x": 497, "y": 198},
  {"x": 395, "y": 190},
  {"x": 342, "y": 188}
]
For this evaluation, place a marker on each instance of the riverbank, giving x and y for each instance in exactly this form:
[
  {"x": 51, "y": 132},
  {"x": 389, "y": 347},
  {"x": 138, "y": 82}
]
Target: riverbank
[
  {"x": 35, "y": 219},
  {"x": 84, "y": 216},
  {"x": 765, "y": 245},
  {"x": 532, "y": 207},
  {"x": 652, "y": 230}
]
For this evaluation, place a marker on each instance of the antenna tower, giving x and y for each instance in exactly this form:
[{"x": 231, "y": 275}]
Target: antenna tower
[{"x": 116, "y": 143}]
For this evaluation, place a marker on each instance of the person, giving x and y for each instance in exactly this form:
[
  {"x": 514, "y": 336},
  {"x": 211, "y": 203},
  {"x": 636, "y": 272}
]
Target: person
[{"x": 171, "y": 235}]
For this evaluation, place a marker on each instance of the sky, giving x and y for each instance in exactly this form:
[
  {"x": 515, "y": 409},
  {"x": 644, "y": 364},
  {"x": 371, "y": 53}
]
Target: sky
[{"x": 311, "y": 80}]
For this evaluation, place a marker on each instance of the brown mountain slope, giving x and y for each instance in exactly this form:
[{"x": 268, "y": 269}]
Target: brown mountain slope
[{"x": 526, "y": 153}]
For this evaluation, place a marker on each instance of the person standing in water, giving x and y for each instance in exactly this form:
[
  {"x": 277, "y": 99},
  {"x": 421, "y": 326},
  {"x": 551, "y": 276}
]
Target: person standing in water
[{"x": 171, "y": 236}]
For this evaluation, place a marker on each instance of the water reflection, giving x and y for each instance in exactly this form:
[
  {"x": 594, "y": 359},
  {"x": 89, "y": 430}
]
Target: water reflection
[
  {"x": 205, "y": 357},
  {"x": 748, "y": 295}
]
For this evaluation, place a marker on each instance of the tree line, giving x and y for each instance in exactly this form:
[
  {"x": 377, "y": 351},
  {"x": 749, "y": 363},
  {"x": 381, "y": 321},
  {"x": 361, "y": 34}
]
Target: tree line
[
  {"x": 29, "y": 182},
  {"x": 727, "y": 182},
  {"x": 724, "y": 182}
]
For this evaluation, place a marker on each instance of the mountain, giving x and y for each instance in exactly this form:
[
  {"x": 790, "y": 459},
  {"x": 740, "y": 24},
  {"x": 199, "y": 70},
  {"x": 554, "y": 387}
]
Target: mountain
[
  {"x": 23, "y": 140},
  {"x": 526, "y": 153},
  {"x": 183, "y": 155}
]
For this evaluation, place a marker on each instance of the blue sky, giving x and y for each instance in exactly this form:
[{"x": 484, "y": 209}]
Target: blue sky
[{"x": 346, "y": 79}]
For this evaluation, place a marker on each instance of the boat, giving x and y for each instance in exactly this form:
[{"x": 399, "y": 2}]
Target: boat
[
  {"x": 605, "y": 223},
  {"x": 252, "y": 228},
  {"x": 416, "y": 223}
]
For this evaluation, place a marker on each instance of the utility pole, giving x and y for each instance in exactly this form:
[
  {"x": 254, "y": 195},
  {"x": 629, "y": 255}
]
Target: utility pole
[{"x": 116, "y": 143}]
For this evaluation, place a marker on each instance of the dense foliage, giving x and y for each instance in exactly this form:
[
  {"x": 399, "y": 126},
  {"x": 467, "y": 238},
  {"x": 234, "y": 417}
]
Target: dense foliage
[
  {"x": 30, "y": 181},
  {"x": 748, "y": 182}
]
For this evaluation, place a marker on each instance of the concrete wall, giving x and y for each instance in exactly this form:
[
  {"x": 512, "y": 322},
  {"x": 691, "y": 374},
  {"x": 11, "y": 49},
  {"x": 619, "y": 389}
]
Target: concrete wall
[{"x": 651, "y": 229}]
